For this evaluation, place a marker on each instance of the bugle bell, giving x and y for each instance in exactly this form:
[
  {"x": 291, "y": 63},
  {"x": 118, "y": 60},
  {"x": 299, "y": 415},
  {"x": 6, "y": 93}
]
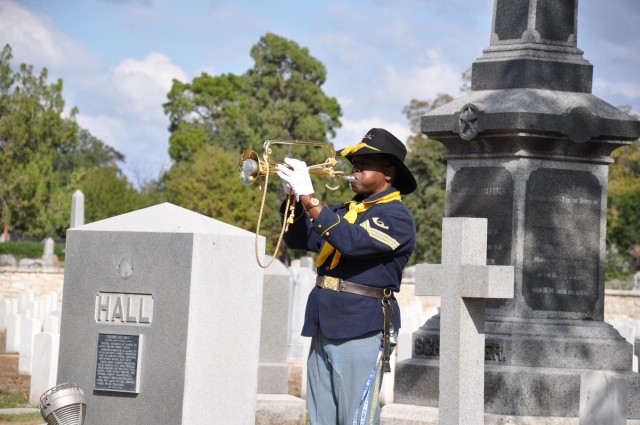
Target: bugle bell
[{"x": 252, "y": 168}]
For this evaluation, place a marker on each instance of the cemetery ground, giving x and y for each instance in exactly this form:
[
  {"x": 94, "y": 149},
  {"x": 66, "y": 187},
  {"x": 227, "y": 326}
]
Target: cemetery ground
[{"x": 14, "y": 391}]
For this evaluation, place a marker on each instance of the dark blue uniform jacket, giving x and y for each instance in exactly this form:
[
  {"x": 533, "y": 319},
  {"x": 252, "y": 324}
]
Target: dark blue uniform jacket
[{"x": 374, "y": 250}]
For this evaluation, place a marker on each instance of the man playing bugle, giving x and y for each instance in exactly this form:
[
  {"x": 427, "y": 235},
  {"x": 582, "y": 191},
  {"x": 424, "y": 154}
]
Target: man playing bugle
[{"x": 363, "y": 245}]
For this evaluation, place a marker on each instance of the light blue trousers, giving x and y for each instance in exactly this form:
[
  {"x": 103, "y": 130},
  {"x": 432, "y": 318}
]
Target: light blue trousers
[{"x": 337, "y": 371}]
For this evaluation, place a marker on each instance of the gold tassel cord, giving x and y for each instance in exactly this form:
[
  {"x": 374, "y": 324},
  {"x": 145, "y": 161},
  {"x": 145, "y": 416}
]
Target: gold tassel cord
[{"x": 287, "y": 219}]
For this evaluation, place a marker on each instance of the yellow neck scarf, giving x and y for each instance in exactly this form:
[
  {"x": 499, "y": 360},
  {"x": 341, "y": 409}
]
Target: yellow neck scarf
[{"x": 355, "y": 208}]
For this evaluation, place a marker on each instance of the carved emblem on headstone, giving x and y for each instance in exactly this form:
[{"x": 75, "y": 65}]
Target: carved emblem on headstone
[
  {"x": 125, "y": 268},
  {"x": 468, "y": 122}
]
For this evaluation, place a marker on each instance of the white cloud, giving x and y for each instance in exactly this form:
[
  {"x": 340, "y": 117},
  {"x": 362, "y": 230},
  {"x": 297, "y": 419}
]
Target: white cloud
[
  {"x": 142, "y": 85},
  {"x": 35, "y": 40},
  {"x": 628, "y": 90},
  {"x": 425, "y": 79},
  {"x": 106, "y": 128},
  {"x": 127, "y": 113}
]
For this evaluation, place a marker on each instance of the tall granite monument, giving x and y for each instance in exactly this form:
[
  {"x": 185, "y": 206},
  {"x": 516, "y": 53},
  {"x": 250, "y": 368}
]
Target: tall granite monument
[{"x": 529, "y": 149}]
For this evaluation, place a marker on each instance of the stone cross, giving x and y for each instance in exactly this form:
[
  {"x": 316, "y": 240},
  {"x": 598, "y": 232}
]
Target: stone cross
[{"x": 463, "y": 281}]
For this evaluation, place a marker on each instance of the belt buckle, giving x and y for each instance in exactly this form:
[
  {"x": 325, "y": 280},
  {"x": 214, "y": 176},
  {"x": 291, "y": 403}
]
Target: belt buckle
[{"x": 330, "y": 282}]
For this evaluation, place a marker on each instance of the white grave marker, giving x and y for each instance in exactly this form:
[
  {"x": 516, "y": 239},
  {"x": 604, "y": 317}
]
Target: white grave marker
[
  {"x": 14, "y": 324},
  {"x": 77, "y": 209},
  {"x": 603, "y": 398},
  {"x": 5, "y": 309},
  {"x": 48, "y": 254},
  {"x": 45, "y": 365},
  {"x": 29, "y": 329},
  {"x": 463, "y": 281}
]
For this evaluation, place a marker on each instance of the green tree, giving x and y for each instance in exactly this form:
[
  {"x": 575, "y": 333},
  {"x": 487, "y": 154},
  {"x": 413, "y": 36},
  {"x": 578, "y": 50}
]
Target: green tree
[
  {"x": 280, "y": 97},
  {"x": 107, "y": 192},
  {"x": 212, "y": 187},
  {"x": 426, "y": 160},
  {"x": 623, "y": 212},
  {"x": 198, "y": 186},
  {"x": 45, "y": 157},
  {"x": 214, "y": 118},
  {"x": 88, "y": 152},
  {"x": 32, "y": 131}
]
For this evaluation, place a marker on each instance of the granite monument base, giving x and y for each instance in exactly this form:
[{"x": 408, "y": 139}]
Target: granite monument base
[
  {"x": 407, "y": 414},
  {"x": 532, "y": 367}
]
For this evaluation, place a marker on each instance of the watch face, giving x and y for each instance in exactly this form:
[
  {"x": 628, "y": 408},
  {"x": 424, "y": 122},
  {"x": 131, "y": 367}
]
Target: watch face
[{"x": 314, "y": 202}]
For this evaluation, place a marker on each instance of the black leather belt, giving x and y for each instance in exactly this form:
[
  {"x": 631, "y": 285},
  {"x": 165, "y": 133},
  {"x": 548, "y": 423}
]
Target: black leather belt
[
  {"x": 339, "y": 285},
  {"x": 385, "y": 294}
]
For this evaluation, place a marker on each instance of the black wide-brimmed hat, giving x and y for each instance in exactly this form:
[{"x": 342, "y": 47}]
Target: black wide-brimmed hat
[{"x": 380, "y": 141}]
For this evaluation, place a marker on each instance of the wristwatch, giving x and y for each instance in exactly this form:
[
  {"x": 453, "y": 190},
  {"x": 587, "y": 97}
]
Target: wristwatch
[{"x": 313, "y": 202}]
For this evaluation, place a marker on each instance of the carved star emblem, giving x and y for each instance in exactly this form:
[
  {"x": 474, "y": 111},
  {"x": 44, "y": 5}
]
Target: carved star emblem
[{"x": 468, "y": 122}]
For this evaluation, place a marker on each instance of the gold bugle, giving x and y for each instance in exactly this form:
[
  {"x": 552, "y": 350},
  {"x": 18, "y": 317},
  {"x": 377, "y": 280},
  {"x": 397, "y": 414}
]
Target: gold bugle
[{"x": 252, "y": 168}]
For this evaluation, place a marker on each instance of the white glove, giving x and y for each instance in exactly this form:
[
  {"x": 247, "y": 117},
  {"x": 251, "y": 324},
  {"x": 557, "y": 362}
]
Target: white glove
[
  {"x": 298, "y": 178},
  {"x": 287, "y": 188}
]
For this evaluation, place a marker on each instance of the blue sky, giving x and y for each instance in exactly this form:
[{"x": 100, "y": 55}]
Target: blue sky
[{"x": 117, "y": 58}]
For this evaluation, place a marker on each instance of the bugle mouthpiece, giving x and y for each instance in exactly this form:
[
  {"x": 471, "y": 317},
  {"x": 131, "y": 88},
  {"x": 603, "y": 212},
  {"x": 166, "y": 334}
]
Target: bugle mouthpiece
[{"x": 348, "y": 178}]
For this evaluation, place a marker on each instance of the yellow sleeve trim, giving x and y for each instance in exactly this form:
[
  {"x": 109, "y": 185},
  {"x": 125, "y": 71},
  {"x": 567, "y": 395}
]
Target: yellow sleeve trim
[{"x": 380, "y": 236}]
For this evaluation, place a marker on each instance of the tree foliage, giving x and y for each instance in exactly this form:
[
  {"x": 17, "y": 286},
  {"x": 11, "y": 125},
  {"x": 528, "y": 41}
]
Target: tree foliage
[
  {"x": 280, "y": 97},
  {"x": 45, "y": 156},
  {"x": 623, "y": 211},
  {"x": 213, "y": 119},
  {"x": 32, "y": 132},
  {"x": 203, "y": 185},
  {"x": 426, "y": 160}
]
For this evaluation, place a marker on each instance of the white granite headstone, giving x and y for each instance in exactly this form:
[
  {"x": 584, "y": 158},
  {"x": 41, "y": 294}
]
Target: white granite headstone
[
  {"x": 25, "y": 298},
  {"x": 161, "y": 319},
  {"x": 47, "y": 256},
  {"x": 29, "y": 329},
  {"x": 77, "y": 209},
  {"x": 51, "y": 324},
  {"x": 303, "y": 279},
  {"x": 5, "y": 309},
  {"x": 603, "y": 398},
  {"x": 14, "y": 325},
  {"x": 44, "y": 365},
  {"x": 273, "y": 372}
]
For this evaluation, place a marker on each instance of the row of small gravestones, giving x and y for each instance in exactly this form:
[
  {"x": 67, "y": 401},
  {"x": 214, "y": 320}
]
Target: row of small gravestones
[{"x": 32, "y": 329}]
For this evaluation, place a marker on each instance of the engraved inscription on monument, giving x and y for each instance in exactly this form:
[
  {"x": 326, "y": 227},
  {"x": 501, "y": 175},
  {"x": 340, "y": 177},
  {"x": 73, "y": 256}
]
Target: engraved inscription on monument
[
  {"x": 429, "y": 348},
  {"x": 486, "y": 192},
  {"x": 124, "y": 309},
  {"x": 118, "y": 363},
  {"x": 561, "y": 267}
]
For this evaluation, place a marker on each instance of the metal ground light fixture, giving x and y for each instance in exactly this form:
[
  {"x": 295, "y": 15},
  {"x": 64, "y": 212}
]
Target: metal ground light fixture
[{"x": 64, "y": 404}]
